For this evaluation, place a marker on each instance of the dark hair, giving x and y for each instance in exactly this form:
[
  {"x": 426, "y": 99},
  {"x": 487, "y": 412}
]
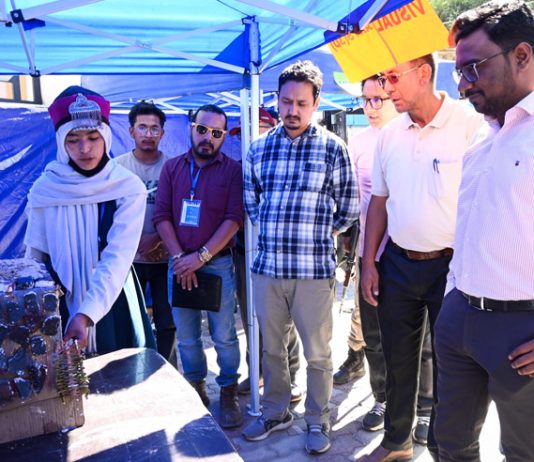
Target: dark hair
[
  {"x": 427, "y": 59},
  {"x": 303, "y": 71},
  {"x": 373, "y": 77},
  {"x": 210, "y": 108},
  {"x": 506, "y": 23},
  {"x": 144, "y": 108}
]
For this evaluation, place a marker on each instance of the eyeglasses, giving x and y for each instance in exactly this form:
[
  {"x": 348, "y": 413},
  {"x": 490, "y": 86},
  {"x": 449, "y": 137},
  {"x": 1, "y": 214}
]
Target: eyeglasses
[
  {"x": 470, "y": 71},
  {"x": 376, "y": 102},
  {"x": 394, "y": 77},
  {"x": 143, "y": 130},
  {"x": 202, "y": 130}
]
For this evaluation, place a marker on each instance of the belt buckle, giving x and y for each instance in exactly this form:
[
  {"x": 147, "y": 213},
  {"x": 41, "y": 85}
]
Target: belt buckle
[{"x": 482, "y": 305}]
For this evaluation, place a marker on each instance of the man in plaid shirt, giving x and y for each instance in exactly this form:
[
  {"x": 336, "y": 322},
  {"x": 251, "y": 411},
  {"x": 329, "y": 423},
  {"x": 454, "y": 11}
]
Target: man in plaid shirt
[{"x": 301, "y": 190}]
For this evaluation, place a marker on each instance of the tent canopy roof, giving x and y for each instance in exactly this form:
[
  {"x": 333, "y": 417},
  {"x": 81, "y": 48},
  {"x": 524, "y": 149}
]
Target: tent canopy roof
[{"x": 167, "y": 36}]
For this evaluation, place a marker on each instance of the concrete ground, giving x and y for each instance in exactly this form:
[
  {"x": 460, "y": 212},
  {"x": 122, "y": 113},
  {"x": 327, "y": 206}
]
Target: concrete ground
[{"x": 349, "y": 404}]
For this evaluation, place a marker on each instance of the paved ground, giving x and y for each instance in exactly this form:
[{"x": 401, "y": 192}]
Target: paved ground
[{"x": 349, "y": 404}]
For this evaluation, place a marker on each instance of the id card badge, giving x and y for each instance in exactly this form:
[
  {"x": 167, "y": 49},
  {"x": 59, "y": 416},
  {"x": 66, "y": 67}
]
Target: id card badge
[{"x": 190, "y": 213}]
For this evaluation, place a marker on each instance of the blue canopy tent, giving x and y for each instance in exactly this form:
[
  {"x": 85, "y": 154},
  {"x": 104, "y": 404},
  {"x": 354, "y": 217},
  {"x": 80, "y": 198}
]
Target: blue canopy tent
[
  {"x": 230, "y": 43},
  {"x": 186, "y": 91}
]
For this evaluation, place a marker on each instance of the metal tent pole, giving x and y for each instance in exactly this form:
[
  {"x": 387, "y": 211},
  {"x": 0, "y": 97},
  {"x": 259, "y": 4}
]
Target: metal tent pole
[{"x": 250, "y": 126}]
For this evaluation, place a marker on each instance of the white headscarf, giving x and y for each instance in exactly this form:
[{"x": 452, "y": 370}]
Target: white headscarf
[{"x": 63, "y": 217}]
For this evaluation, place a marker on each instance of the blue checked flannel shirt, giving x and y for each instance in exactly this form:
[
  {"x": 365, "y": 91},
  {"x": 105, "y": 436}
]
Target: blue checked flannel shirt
[{"x": 299, "y": 191}]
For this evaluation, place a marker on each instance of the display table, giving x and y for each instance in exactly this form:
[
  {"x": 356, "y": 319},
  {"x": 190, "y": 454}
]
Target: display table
[{"x": 140, "y": 409}]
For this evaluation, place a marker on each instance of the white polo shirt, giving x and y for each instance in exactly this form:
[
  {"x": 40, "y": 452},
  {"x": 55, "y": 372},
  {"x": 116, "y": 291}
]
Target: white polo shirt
[
  {"x": 494, "y": 247},
  {"x": 419, "y": 170}
]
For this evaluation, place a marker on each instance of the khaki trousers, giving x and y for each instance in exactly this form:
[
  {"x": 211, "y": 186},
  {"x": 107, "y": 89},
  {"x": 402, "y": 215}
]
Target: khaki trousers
[{"x": 308, "y": 304}]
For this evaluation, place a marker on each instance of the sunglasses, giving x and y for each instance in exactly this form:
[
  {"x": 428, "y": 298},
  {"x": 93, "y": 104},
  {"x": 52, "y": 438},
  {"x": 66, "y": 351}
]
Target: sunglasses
[
  {"x": 143, "y": 130},
  {"x": 470, "y": 71},
  {"x": 394, "y": 77},
  {"x": 202, "y": 130},
  {"x": 376, "y": 102}
]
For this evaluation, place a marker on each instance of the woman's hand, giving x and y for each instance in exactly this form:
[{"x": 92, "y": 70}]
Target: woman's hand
[{"x": 78, "y": 329}]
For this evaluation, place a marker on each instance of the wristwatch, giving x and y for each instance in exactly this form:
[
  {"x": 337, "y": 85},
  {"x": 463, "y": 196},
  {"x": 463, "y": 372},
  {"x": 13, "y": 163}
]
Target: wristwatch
[{"x": 204, "y": 255}]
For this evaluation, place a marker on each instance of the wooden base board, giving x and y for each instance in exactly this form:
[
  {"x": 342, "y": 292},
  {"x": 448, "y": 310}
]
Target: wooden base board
[{"x": 40, "y": 417}]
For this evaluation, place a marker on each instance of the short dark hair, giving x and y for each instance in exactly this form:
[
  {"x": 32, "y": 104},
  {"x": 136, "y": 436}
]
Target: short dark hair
[
  {"x": 210, "y": 108},
  {"x": 506, "y": 23},
  {"x": 374, "y": 77},
  {"x": 303, "y": 71},
  {"x": 145, "y": 108},
  {"x": 427, "y": 59}
]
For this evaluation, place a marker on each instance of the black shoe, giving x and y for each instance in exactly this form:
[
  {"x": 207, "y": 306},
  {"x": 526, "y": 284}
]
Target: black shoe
[
  {"x": 420, "y": 431},
  {"x": 200, "y": 388},
  {"x": 353, "y": 368},
  {"x": 374, "y": 419},
  {"x": 230, "y": 412}
]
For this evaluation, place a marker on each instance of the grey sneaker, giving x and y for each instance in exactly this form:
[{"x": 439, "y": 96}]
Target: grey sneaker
[
  {"x": 374, "y": 419},
  {"x": 318, "y": 438},
  {"x": 420, "y": 431},
  {"x": 261, "y": 428}
]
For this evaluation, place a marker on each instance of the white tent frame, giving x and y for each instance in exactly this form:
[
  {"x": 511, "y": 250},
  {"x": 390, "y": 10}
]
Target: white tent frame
[{"x": 250, "y": 98}]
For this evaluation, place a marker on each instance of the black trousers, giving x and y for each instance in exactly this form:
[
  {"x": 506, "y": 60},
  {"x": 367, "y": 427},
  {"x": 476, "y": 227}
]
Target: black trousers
[
  {"x": 293, "y": 346},
  {"x": 155, "y": 275},
  {"x": 410, "y": 290},
  {"x": 472, "y": 349},
  {"x": 377, "y": 365}
]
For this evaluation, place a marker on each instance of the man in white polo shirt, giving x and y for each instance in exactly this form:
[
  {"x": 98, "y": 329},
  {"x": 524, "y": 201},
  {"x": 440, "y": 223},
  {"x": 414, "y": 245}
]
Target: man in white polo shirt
[
  {"x": 485, "y": 330},
  {"x": 416, "y": 175},
  {"x": 365, "y": 335}
]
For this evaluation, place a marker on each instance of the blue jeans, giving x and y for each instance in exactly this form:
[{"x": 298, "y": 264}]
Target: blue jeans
[{"x": 221, "y": 326}]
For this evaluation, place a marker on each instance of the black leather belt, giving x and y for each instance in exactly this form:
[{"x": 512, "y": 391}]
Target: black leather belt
[
  {"x": 415, "y": 255},
  {"x": 488, "y": 304}
]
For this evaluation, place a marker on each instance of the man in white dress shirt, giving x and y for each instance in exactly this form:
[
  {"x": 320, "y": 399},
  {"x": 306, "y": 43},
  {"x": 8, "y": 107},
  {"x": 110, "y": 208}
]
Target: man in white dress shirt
[
  {"x": 485, "y": 330},
  {"x": 415, "y": 180}
]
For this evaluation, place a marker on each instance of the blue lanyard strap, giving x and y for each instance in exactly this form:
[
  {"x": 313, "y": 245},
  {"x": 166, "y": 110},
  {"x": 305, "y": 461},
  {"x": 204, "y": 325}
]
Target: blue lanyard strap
[{"x": 194, "y": 180}]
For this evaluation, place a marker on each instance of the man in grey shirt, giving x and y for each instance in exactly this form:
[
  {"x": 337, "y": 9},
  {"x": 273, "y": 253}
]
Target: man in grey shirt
[{"x": 146, "y": 161}]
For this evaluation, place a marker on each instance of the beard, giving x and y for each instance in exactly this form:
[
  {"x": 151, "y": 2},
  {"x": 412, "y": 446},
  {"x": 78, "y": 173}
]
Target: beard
[
  {"x": 204, "y": 149},
  {"x": 503, "y": 94},
  {"x": 292, "y": 122}
]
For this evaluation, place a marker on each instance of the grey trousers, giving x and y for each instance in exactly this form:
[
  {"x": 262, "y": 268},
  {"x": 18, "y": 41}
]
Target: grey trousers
[
  {"x": 472, "y": 349},
  {"x": 307, "y": 304}
]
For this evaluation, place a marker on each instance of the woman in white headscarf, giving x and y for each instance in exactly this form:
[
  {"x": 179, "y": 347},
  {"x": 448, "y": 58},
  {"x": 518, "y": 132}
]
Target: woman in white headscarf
[{"x": 85, "y": 217}]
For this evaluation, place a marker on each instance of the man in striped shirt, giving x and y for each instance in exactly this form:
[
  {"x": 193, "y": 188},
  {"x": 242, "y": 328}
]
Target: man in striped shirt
[
  {"x": 301, "y": 191},
  {"x": 485, "y": 331}
]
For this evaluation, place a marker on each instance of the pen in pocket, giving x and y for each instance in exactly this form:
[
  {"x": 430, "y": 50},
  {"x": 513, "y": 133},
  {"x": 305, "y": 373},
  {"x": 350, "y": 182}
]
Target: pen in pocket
[{"x": 435, "y": 165}]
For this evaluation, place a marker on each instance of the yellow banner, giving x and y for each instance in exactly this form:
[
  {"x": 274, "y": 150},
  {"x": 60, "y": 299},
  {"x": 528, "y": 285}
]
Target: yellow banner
[{"x": 411, "y": 31}]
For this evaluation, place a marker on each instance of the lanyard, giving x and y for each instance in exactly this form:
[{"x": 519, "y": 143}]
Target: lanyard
[{"x": 194, "y": 180}]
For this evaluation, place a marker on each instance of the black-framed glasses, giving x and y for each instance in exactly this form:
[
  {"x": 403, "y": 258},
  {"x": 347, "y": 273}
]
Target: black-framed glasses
[
  {"x": 144, "y": 130},
  {"x": 394, "y": 77},
  {"x": 470, "y": 71},
  {"x": 203, "y": 129},
  {"x": 376, "y": 102}
]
